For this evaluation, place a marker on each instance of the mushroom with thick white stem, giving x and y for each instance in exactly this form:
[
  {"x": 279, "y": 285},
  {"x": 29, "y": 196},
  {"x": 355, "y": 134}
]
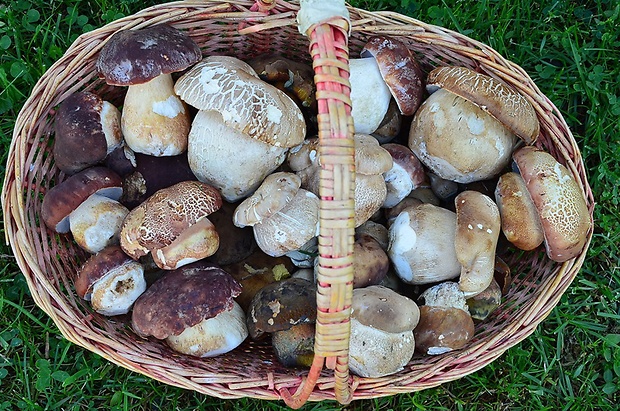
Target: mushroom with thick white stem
[
  {"x": 173, "y": 226},
  {"x": 111, "y": 281},
  {"x": 154, "y": 120},
  {"x": 478, "y": 225},
  {"x": 422, "y": 244},
  {"x": 283, "y": 215},
  {"x": 559, "y": 200},
  {"x": 466, "y": 130},
  {"x": 387, "y": 69},
  {"x": 445, "y": 323},
  {"x": 406, "y": 174},
  {"x": 193, "y": 309},
  {"x": 381, "y": 340},
  {"x": 237, "y": 109}
]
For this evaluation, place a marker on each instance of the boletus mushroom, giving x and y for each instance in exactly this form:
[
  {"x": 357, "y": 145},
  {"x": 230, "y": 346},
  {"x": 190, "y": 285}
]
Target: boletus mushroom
[
  {"x": 173, "y": 226},
  {"x": 154, "y": 120},
  {"x": 111, "y": 281},
  {"x": 382, "y": 323},
  {"x": 193, "y": 310}
]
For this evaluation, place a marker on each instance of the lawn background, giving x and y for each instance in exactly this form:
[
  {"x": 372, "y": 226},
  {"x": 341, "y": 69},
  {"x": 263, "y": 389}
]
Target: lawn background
[{"x": 572, "y": 361}]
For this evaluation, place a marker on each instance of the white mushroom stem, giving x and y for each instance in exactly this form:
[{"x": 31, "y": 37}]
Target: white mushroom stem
[
  {"x": 154, "y": 120},
  {"x": 370, "y": 95},
  {"x": 115, "y": 292},
  {"x": 197, "y": 242},
  {"x": 477, "y": 232}
]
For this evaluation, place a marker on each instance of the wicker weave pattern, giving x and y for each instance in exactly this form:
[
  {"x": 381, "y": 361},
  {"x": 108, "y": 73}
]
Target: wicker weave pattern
[{"x": 49, "y": 262}]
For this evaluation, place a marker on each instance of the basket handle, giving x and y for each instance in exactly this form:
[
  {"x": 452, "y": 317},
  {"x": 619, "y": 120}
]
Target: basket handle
[{"x": 326, "y": 23}]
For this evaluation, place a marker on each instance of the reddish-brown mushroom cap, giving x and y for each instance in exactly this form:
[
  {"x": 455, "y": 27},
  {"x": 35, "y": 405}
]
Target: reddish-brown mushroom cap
[
  {"x": 559, "y": 200},
  {"x": 81, "y": 124},
  {"x": 66, "y": 196},
  {"x": 182, "y": 298},
  {"x": 502, "y": 102},
  {"x": 400, "y": 71},
  {"x": 137, "y": 56}
]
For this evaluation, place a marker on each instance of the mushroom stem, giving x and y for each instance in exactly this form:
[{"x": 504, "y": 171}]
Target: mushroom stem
[{"x": 154, "y": 120}]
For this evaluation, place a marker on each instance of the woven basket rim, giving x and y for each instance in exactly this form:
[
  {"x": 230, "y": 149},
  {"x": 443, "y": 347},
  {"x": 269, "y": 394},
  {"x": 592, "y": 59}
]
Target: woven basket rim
[{"x": 451, "y": 366}]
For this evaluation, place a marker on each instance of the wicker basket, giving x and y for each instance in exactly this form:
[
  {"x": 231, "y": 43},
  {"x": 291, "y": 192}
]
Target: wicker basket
[{"x": 240, "y": 28}]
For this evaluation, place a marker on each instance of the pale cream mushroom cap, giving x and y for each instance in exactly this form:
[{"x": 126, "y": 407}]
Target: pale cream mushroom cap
[
  {"x": 559, "y": 200},
  {"x": 457, "y": 140},
  {"x": 245, "y": 102},
  {"x": 504, "y": 103},
  {"x": 478, "y": 225}
]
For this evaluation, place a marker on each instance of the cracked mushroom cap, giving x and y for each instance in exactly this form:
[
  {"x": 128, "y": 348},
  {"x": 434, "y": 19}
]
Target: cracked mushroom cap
[
  {"x": 559, "y": 200},
  {"x": 399, "y": 70},
  {"x": 63, "y": 198},
  {"x": 478, "y": 225},
  {"x": 504, "y": 103},
  {"x": 166, "y": 215},
  {"x": 87, "y": 129},
  {"x": 137, "y": 56},
  {"x": 279, "y": 306},
  {"x": 183, "y": 298},
  {"x": 220, "y": 83}
]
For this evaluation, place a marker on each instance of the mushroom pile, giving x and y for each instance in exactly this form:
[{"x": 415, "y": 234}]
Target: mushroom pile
[{"x": 197, "y": 199}]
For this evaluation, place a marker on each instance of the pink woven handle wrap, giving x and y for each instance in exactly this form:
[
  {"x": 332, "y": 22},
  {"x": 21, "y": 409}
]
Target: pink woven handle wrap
[{"x": 330, "y": 55}]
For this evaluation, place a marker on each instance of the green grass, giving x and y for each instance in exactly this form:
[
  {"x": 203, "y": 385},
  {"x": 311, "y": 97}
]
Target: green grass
[{"x": 571, "y": 362}]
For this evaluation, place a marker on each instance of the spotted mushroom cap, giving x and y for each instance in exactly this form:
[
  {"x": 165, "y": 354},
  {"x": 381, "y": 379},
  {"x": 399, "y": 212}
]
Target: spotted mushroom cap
[
  {"x": 183, "y": 298},
  {"x": 137, "y": 56},
  {"x": 246, "y": 103},
  {"x": 399, "y": 70},
  {"x": 158, "y": 221},
  {"x": 559, "y": 200},
  {"x": 502, "y": 102}
]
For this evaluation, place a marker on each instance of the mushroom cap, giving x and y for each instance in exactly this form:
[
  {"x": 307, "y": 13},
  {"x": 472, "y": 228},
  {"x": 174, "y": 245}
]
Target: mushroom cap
[
  {"x": 422, "y": 244},
  {"x": 446, "y": 294},
  {"x": 275, "y": 192},
  {"x": 85, "y": 128},
  {"x": 478, "y": 226},
  {"x": 370, "y": 157},
  {"x": 483, "y": 304},
  {"x": 295, "y": 346},
  {"x": 63, "y": 198},
  {"x": 559, "y": 200},
  {"x": 520, "y": 221},
  {"x": 245, "y": 102},
  {"x": 98, "y": 265},
  {"x": 213, "y": 336},
  {"x": 279, "y": 306},
  {"x": 379, "y": 307},
  {"x": 442, "y": 329},
  {"x": 504, "y": 103},
  {"x": 158, "y": 221},
  {"x": 183, "y": 298},
  {"x": 370, "y": 262},
  {"x": 399, "y": 70},
  {"x": 457, "y": 140},
  {"x": 137, "y": 56}
]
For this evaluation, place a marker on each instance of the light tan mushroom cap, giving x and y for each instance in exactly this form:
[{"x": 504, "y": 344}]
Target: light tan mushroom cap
[
  {"x": 502, "y": 102},
  {"x": 379, "y": 307},
  {"x": 246, "y": 103},
  {"x": 478, "y": 225},
  {"x": 520, "y": 222},
  {"x": 158, "y": 221},
  {"x": 559, "y": 200},
  {"x": 370, "y": 157},
  {"x": 276, "y": 191}
]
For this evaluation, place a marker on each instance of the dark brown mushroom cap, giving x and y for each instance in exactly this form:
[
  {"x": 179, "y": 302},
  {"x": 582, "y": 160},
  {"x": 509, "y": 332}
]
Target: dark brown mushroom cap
[
  {"x": 137, "y": 56},
  {"x": 279, "y": 306},
  {"x": 80, "y": 141},
  {"x": 65, "y": 197},
  {"x": 442, "y": 329},
  {"x": 97, "y": 266},
  {"x": 182, "y": 298},
  {"x": 507, "y": 105},
  {"x": 400, "y": 71}
]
